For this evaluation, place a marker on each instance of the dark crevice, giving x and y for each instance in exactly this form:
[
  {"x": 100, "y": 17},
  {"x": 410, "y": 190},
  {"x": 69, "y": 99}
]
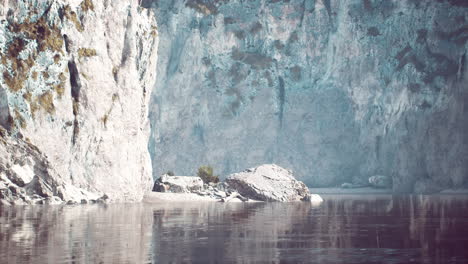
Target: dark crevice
[
  {"x": 6, "y": 120},
  {"x": 281, "y": 98},
  {"x": 462, "y": 67},
  {"x": 74, "y": 80},
  {"x": 67, "y": 43},
  {"x": 75, "y": 93},
  {"x": 126, "y": 51}
]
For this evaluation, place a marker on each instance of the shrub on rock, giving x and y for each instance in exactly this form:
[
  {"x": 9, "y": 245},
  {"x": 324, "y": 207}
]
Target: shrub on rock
[{"x": 206, "y": 174}]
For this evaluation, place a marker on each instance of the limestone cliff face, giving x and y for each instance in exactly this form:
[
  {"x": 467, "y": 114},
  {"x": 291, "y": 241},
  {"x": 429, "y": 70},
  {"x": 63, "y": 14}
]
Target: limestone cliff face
[
  {"x": 76, "y": 81},
  {"x": 336, "y": 90}
]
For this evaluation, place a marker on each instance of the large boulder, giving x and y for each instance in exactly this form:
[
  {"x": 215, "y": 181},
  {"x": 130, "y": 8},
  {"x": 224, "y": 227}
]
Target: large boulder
[
  {"x": 269, "y": 182},
  {"x": 178, "y": 184}
]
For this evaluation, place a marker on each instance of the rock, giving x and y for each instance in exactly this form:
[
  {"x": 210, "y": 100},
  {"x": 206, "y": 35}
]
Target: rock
[
  {"x": 22, "y": 174},
  {"x": 427, "y": 186},
  {"x": 220, "y": 194},
  {"x": 53, "y": 200},
  {"x": 178, "y": 184},
  {"x": 268, "y": 182},
  {"x": 380, "y": 181},
  {"x": 390, "y": 94},
  {"x": 160, "y": 187},
  {"x": 234, "y": 197},
  {"x": 316, "y": 199},
  {"x": 26, "y": 174},
  {"x": 78, "y": 92}
]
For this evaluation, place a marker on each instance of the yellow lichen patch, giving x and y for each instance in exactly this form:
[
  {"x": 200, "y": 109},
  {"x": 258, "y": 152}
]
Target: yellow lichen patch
[
  {"x": 55, "y": 41},
  {"x": 115, "y": 71},
  {"x": 20, "y": 119},
  {"x": 76, "y": 107},
  {"x": 19, "y": 68},
  {"x": 62, "y": 77},
  {"x": 56, "y": 58},
  {"x": 27, "y": 96},
  {"x": 59, "y": 89},
  {"x": 154, "y": 31},
  {"x": 47, "y": 37},
  {"x": 4, "y": 60},
  {"x": 85, "y": 76},
  {"x": 71, "y": 15},
  {"x": 104, "y": 119},
  {"x": 86, "y": 52},
  {"x": 15, "y": 47},
  {"x": 14, "y": 83},
  {"x": 33, "y": 106},
  {"x": 87, "y": 5},
  {"x": 46, "y": 101}
]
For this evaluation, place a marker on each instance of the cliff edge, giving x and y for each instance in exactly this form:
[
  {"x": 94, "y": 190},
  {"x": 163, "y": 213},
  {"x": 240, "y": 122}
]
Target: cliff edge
[{"x": 75, "y": 86}]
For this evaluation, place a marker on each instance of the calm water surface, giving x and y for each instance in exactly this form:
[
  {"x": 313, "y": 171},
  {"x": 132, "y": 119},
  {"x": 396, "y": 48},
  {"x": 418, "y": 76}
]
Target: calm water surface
[{"x": 344, "y": 229}]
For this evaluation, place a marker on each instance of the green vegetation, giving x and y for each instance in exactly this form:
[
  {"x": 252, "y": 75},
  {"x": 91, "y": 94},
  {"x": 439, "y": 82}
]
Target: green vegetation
[{"x": 206, "y": 174}]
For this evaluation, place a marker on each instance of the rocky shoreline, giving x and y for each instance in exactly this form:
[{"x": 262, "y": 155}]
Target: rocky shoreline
[{"x": 265, "y": 183}]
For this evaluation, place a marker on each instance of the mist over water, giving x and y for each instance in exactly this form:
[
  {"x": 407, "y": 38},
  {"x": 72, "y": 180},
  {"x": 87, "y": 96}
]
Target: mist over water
[{"x": 344, "y": 229}]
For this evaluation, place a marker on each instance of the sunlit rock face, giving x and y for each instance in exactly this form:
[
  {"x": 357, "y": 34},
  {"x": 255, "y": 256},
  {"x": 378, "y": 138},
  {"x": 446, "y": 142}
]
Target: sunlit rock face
[
  {"x": 335, "y": 90},
  {"x": 76, "y": 80}
]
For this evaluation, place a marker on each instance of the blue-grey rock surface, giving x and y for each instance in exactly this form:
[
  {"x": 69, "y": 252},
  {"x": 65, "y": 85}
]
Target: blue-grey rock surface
[{"x": 336, "y": 90}]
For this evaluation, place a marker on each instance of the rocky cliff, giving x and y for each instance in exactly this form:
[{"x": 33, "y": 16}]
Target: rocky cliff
[
  {"x": 337, "y": 90},
  {"x": 74, "y": 91}
]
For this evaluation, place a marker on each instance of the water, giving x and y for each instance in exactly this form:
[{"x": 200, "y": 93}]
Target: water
[{"x": 344, "y": 229}]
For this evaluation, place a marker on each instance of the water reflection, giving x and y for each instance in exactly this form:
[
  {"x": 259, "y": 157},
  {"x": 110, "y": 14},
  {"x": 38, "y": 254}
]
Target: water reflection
[{"x": 344, "y": 229}]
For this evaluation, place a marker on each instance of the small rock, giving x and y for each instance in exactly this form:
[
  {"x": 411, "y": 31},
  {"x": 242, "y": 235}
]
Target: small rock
[
  {"x": 178, "y": 184},
  {"x": 347, "y": 185},
  {"x": 220, "y": 194},
  {"x": 380, "y": 181},
  {"x": 103, "y": 199},
  {"x": 53, "y": 200}
]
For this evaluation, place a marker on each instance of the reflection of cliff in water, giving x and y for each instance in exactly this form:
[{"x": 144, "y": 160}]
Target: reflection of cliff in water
[
  {"x": 80, "y": 234},
  {"x": 362, "y": 229},
  {"x": 346, "y": 228}
]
